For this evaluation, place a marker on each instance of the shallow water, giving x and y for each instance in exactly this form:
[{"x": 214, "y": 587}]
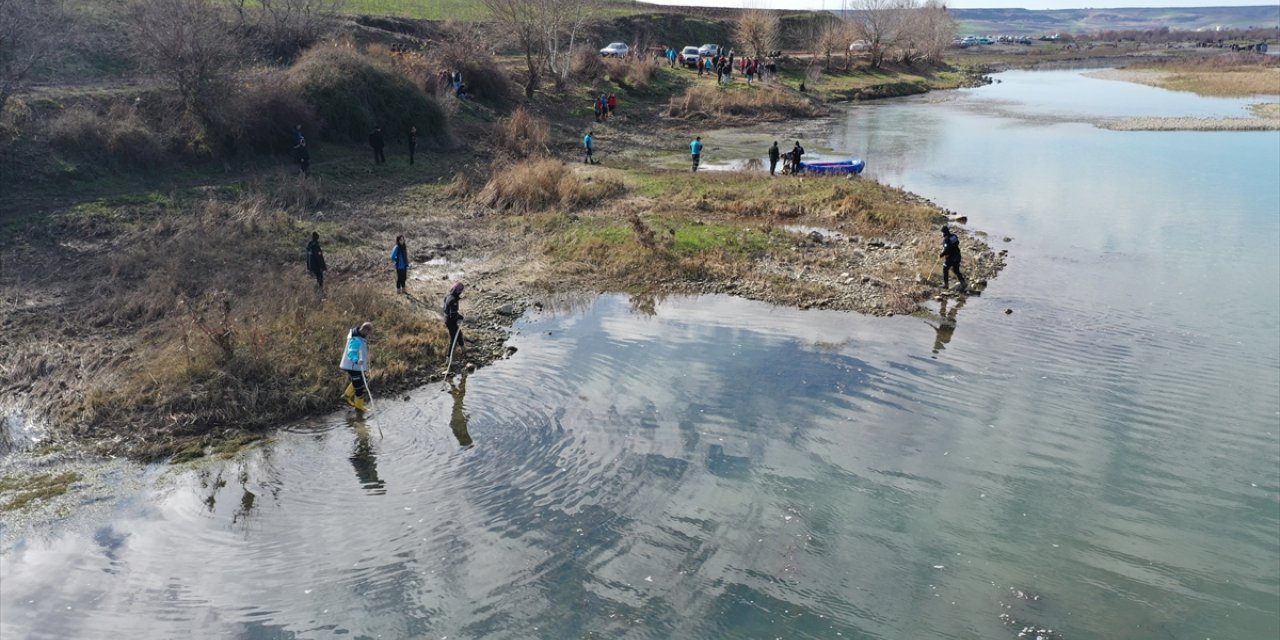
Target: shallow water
[{"x": 724, "y": 469}]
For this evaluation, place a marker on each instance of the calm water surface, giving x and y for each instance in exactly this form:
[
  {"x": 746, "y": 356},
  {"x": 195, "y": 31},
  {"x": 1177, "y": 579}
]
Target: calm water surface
[{"x": 724, "y": 469}]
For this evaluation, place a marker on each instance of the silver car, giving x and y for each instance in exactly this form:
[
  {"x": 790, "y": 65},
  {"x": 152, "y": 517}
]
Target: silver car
[{"x": 615, "y": 50}]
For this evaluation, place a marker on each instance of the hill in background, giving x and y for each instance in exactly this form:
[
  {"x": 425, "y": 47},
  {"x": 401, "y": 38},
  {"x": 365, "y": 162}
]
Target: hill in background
[{"x": 1025, "y": 21}]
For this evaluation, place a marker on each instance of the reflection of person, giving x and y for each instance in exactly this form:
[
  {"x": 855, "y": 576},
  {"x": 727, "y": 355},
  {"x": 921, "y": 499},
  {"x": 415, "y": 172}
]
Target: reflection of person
[
  {"x": 355, "y": 363},
  {"x": 363, "y": 459},
  {"x": 458, "y": 420},
  {"x": 946, "y": 325}
]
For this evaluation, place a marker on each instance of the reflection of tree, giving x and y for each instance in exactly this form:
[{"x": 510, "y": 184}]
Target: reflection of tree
[
  {"x": 458, "y": 420},
  {"x": 946, "y": 326},
  {"x": 363, "y": 459},
  {"x": 644, "y": 303}
]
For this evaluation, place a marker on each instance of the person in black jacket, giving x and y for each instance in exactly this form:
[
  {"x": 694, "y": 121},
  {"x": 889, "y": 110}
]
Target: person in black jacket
[
  {"x": 452, "y": 318},
  {"x": 797, "y": 152},
  {"x": 315, "y": 260},
  {"x": 376, "y": 141},
  {"x": 951, "y": 259},
  {"x": 774, "y": 154},
  {"x": 413, "y": 142}
]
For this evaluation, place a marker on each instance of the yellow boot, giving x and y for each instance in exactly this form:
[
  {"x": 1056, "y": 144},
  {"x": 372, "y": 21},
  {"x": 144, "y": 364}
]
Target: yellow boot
[
  {"x": 350, "y": 393},
  {"x": 358, "y": 404}
]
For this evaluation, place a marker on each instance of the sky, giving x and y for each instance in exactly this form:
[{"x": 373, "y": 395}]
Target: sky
[{"x": 978, "y": 4}]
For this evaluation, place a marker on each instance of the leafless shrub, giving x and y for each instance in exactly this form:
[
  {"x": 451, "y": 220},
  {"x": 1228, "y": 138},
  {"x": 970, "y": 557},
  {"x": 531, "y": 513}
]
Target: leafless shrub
[
  {"x": 118, "y": 135},
  {"x": 281, "y": 29},
  {"x": 523, "y": 135},
  {"x": 30, "y": 31},
  {"x": 588, "y": 65},
  {"x": 190, "y": 45},
  {"x": 756, "y": 31}
]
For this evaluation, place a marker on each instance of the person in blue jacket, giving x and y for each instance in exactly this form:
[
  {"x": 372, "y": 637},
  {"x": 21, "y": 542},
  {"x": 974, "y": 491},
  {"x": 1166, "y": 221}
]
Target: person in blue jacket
[
  {"x": 695, "y": 151},
  {"x": 400, "y": 259},
  {"x": 588, "y": 143},
  {"x": 355, "y": 363}
]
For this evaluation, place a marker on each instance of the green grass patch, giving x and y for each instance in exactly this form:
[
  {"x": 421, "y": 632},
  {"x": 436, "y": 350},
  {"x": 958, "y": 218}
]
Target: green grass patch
[{"x": 21, "y": 491}]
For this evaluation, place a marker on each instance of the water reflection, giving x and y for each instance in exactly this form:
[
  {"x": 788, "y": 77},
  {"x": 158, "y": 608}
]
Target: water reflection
[
  {"x": 458, "y": 418},
  {"x": 946, "y": 323},
  {"x": 362, "y": 457}
]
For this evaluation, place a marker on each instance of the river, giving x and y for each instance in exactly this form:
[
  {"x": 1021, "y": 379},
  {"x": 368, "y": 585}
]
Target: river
[{"x": 1104, "y": 461}]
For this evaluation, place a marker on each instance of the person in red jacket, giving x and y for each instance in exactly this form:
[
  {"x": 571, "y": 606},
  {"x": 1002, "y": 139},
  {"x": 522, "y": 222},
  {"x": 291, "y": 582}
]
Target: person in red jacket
[{"x": 613, "y": 104}]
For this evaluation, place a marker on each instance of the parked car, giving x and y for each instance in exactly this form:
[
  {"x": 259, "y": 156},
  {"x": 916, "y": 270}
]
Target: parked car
[
  {"x": 709, "y": 50},
  {"x": 859, "y": 45},
  {"x": 615, "y": 50},
  {"x": 689, "y": 57}
]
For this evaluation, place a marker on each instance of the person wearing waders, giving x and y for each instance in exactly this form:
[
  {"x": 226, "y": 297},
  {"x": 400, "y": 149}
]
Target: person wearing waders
[
  {"x": 452, "y": 318},
  {"x": 774, "y": 154},
  {"x": 695, "y": 150},
  {"x": 376, "y": 141},
  {"x": 413, "y": 143},
  {"x": 951, "y": 259},
  {"x": 588, "y": 143},
  {"x": 355, "y": 362},
  {"x": 400, "y": 259},
  {"x": 315, "y": 260}
]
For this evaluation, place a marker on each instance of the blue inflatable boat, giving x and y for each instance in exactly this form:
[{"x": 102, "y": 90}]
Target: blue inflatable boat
[{"x": 843, "y": 167}]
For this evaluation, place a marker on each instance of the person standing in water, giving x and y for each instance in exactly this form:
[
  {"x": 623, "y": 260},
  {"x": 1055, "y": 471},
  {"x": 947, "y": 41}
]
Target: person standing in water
[
  {"x": 951, "y": 259},
  {"x": 355, "y": 363},
  {"x": 695, "y": 151},
  {"x": 452, "y": 318},
  {"x": 315, "y": 260},
  {"x": 400, "y": 259},
  {"x": 774, "y": 154}
]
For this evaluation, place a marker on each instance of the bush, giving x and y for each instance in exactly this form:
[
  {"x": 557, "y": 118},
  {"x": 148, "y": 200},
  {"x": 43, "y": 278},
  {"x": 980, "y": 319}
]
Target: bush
[
  {"x": 587, "y": 65},
  {"x": 353, "y": 93},
  {"x": 632, "y": 72},
  {"x": 266, "y": 112},
  {"x": 523, "y": 135},
  {"x": 120, "y": 135},
  {"x": 540, "y": 184}
]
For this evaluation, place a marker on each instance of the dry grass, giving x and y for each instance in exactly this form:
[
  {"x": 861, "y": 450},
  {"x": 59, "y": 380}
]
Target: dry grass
[
  {"x": 1227, "y": 75},
  {"x": 540, "y": 184},
  {"x": 760, "y": 102},
  {"x": 226, "y": 337},
  {"x": 522, "y": 135},
  {"x": 632, "y": 72},
  {"x": 120, "y": 134}
]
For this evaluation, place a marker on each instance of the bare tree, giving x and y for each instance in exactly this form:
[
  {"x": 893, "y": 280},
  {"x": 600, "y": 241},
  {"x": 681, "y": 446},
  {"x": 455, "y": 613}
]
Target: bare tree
[
  {"x": 757, "y": 31},
  {"x": 880, "y": 23},
  {"x": 562, "y": 20},
  {"x": 833, "y": 36},
  {"x": 284, "y": 27},
  {"x": 938, "y": 30},
  {"x": 523, "y": 18},
  {"x": 189, "y": 44},
  {"x": 29, "y": 32}
]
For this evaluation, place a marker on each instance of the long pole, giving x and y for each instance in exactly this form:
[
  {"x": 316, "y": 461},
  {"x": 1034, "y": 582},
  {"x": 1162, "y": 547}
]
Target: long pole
[
  {"x": 452, "y": 344},
  {"x": 369, "y": 390}
]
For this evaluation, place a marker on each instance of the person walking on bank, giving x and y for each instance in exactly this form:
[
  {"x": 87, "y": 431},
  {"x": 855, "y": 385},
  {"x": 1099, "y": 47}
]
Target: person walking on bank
[
  {"x": 951, "y": 259},
  {"x": 315, "y": 260},
  {"x": 588, "y": 143},
  {"x": 774, "y": 154},
  {"x": 355, "y": 363},
  {"x": 302, "y": 157},
  {"x": 612, "y": 104},
  {"x": 453, "y": 319},
  {"x": 695, "y": 150},
  {"x": 400, "y": 259},
  {"x": 413, "y": 143},
  {"x": 376, "y": 141}
]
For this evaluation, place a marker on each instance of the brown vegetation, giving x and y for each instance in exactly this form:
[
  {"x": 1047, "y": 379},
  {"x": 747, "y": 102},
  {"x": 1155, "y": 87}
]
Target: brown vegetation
[
  {"x": 522, "y": 135},
  {"x": 631, "y": 73},
  {"x": 540, "y": 184},
  {"x": 760, "y": 103}
]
